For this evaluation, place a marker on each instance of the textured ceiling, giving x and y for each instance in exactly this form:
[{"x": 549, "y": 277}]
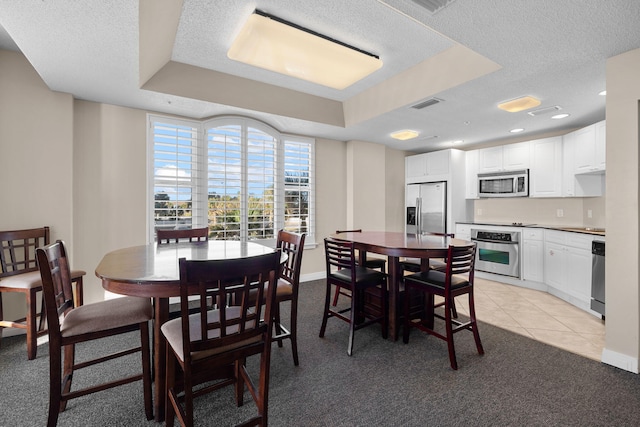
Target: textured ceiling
[{"x": 553, "y": 50}]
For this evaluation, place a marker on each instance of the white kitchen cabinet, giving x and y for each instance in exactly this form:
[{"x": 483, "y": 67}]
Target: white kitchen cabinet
[
  {"x": 590, "y": 147},
  {"x": 471, "y": 167},
  {"x": 579, "y": 185},
  {"x": 567, "y": 266},
  {"x": 504, "y": 158},
  {"x": 427, "y": 166},
  {"x": 545, "y": 174},
  {"x": 533, "y": 254}
]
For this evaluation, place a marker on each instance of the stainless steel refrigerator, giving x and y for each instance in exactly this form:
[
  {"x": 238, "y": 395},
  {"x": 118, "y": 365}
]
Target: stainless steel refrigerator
[{"x": 426, "y": 208}]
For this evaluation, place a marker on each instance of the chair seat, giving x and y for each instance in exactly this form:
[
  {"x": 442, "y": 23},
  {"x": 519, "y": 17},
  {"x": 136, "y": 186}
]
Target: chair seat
[
  {"x": 31, "y": 280},
  {"x": 435, "y": 278},
  {"x": 172, "y": 330},
  {"x": 363, "y": 275},
  {"x": 105, "y": 315}
]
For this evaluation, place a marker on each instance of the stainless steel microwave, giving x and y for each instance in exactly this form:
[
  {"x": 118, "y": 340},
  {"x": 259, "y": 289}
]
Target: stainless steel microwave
[{"x": 504, "y": 184}]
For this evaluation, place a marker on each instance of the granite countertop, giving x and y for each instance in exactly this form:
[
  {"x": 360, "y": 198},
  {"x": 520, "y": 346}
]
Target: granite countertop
[{"x": 586, "y": 230}]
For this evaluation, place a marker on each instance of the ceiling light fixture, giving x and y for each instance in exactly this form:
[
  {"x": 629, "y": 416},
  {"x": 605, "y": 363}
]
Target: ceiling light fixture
[
  {"x": 403, "y": 135},
  {"x": 603, "y": 93},
  {"x": 517, "y": 130},
  {"x": 560, "y": 116},
  {"x": 277, "y": 45},
  {"x": 519, "y": 104}
]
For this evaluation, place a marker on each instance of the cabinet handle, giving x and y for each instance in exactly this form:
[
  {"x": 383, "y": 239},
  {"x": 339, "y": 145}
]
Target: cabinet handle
[{"x": 551, "y": 253}]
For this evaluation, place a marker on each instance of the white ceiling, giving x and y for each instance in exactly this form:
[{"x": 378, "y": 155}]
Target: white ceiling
[{"x": 553, "y": 50}]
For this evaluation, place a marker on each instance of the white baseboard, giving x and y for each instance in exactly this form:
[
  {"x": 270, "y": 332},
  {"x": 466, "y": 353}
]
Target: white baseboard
[
  {"x": 619, "y": 360},
  {"x": 312, "y": 276}
]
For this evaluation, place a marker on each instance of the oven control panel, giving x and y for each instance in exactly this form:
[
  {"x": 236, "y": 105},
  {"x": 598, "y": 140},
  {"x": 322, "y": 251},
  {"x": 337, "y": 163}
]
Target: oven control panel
[{"x": 495, "y": 236}]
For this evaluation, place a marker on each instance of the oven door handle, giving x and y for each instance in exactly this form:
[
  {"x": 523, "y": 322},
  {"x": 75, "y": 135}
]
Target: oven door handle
[{"x": 500, "y": 242}]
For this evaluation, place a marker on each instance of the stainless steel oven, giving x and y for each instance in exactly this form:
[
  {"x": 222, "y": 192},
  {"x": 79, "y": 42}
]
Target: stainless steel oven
[{"x": 498, "y": 252}]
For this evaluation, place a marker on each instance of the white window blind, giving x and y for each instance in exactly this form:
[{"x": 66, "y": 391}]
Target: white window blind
[{"x": 241, "y": 178}]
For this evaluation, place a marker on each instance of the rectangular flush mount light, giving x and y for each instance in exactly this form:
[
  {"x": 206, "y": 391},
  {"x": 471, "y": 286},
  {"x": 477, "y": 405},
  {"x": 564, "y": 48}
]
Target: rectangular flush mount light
[
  {"x": 403, "y": 135},
  {"x": 519, "y": 104},
  {"x": 277, "y": 45}
]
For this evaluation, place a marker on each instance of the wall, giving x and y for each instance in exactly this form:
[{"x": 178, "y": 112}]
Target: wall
[
  {"x": 622, "y": 346},
  {"x": 36, "y": 168},
  {"x": 542, "y": 211}
]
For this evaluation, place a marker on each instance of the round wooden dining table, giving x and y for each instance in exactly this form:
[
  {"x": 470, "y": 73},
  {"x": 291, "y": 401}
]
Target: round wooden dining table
[
  {"x": 152, "y": 271},
  {"x": 396, "y": 245}
]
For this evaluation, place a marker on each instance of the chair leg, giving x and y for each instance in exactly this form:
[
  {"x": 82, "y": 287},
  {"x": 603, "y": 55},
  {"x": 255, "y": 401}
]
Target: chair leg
[
  {"x": 449, "y": 329},
  {"x": 146, "y": 369},
  {"x": 32, "y": 333},
  {"x": 277, "y": 325},
  {"x": 407, "y": 316},
  {"x": 55, "y": 380},
  {"x": 335, "y": 297},
  {"x": 67, "y": 377},
  {"x": 352, "y": 322},
  {"x": 325, "y": 314},
  {"x": 293, "y": 325},
  {"x": 385, "y": 313},
  {"x": 474, "y": 324},
  {"x": 169, "y": 411}
]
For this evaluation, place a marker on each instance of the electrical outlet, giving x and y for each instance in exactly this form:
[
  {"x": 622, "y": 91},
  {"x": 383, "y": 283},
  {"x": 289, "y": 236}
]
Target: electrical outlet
[
  {"x": 589, "y": 213},
  {"x": 479, "y": 211},
  {"x": 559, "y": 213}
]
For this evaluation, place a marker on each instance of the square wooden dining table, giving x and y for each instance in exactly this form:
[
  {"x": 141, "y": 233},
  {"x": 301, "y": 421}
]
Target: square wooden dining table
[
  {"x": 396, "y": 245},
  {"x": 152, "y": 271}
]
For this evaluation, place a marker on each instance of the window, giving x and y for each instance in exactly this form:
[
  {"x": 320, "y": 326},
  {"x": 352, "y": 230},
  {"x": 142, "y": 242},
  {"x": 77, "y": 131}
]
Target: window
[{"x": 239, "y": 177}]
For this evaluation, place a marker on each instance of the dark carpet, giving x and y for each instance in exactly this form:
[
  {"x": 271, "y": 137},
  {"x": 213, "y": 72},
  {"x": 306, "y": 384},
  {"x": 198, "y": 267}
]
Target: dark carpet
[{"x": 518, "y": 382}]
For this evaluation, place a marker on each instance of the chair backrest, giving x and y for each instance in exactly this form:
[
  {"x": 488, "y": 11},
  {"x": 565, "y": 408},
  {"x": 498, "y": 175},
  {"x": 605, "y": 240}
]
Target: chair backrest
[
  {"x": 339, "y": 255},
  {"x": 18, "y": 250},
  {"x": 226, "y": 281},
  {"x": 174, "y": 236},
  {"x": 461, "y": 260},
  {"x": 56, "y": 284},
  {"x": 291, "y": 244}
]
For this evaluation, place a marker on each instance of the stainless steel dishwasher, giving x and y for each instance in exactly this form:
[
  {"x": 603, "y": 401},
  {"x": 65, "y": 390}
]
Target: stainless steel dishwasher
[{"x": 597, "y": 276}]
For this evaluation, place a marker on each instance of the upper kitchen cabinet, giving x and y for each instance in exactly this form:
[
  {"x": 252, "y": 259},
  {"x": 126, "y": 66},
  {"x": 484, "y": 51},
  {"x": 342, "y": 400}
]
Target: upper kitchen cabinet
[
  {"x": 582, "y": 184},
  {"x": 545, "y": 174},
  {"x": 590, "y": 147},
  {"x": 504, "y": 158},
  {"x": 434, "y": 166}
]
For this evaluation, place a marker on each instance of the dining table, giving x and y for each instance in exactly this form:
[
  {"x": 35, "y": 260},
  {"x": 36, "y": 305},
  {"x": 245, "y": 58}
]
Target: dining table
[
  {"x": 396, "y": 245},
  {"x": 152, "y": 271}
]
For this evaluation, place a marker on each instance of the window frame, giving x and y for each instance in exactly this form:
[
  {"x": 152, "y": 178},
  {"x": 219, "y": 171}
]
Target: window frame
[{"x": 200, "y": 181}]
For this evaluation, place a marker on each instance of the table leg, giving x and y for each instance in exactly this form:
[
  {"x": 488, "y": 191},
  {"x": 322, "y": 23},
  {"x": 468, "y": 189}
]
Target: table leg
[
  {"x": 394, "y": 292},
  {"x": 161, "y": 306}
]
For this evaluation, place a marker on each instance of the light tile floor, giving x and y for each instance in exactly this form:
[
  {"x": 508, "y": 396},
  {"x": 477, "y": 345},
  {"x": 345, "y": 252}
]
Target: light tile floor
[{"x": 537, "y": 315}]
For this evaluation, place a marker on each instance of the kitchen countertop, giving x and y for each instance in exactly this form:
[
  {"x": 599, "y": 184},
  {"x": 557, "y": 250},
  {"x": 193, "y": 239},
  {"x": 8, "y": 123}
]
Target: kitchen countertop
[{"x": 586, "y": 230}]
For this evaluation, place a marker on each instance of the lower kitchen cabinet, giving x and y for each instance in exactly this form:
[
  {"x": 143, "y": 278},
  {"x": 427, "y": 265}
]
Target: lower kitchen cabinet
[
  {"x": 567, "y": 266},
  {"x": 533, "y": 254}
]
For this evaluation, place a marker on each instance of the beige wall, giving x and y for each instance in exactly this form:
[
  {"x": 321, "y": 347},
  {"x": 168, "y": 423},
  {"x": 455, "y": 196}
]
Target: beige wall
[
  {"x": 36, "y": 169},
  {"x": 622, "y": 347}
]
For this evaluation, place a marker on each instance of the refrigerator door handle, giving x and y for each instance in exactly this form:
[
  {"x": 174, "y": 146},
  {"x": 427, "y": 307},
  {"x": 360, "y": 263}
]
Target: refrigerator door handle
[{"x": 418, "y": 216}]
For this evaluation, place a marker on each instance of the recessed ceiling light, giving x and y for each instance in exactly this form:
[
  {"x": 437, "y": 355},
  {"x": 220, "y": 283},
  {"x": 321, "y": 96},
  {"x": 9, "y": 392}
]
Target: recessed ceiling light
[
  {"x": 517, "y": 130},
  {"x": 277, "y": 45},
  {"x": 403, "y": 135},
  {"x": 560, "y": 116},
  {"x": 603, "y": 93},
  {"x": 519, "y": 104},
  {"x": 457, "y": 141}
]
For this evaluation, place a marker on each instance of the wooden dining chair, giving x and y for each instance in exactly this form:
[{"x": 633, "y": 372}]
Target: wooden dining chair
[
  {"x": 214, "y": 344},
  {"x": 19, "y": 274},
  {"x": 176, "y": 236},
  {"x": 374, "y": 263},
  {"x": 456, "y": 280},
  {"x": 291, "y": 244},
  {"x": 70, "y": 325},
  {"x": 343, "y": 272}
]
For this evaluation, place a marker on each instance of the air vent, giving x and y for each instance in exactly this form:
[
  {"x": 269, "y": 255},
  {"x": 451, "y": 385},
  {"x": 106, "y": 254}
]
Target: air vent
[
  {"x": 433, "y": 6},
  {"x": 426, "y": 103},
  {"x": 543, "y": 111}
]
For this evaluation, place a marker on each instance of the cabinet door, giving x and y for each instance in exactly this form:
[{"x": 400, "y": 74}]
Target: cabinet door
[
  {"x": 545, "y": 175},
  {"x": 490, "y": 159},
  {"x": 415, "y": 167},
  {"x": 554, "y": 265},
  {"x": 584, "y": 153},
  {"x": 579, "y": 273},
  {"x": 516, "y": 156},
  {"x": 471, "y": 169},
  {"x": 533, "y": 260},
  {"x": 600, "y": 162},
  {"x": 438, "y": 162}
]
